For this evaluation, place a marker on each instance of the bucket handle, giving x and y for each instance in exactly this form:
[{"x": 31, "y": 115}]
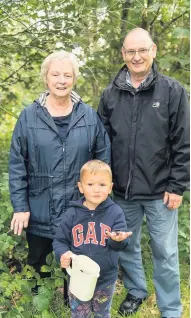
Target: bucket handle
[{"x": 69, "y": 268}]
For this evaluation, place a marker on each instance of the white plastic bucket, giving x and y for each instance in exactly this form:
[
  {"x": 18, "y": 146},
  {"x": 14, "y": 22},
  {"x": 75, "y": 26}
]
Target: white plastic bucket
[{"x": 83, "y": 277}]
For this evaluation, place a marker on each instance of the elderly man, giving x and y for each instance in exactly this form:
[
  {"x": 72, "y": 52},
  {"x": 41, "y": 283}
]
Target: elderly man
[{"x": 146, "y": 116}]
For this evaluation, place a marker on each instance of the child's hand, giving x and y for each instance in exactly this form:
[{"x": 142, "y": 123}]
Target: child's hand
[
  {"x": 118, "y": 236},
  {"x": 65, "y": 259}
]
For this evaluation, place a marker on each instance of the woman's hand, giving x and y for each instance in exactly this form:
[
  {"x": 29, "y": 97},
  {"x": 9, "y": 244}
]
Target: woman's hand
[
  {"x": 65, "y": 259},
  {"x": 19, "y": 221},
  {"x": 118, "y": 236}
]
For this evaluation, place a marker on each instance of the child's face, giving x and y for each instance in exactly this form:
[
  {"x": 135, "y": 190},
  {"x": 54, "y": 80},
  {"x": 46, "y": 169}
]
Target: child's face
[{"x": 95, "y": 187}]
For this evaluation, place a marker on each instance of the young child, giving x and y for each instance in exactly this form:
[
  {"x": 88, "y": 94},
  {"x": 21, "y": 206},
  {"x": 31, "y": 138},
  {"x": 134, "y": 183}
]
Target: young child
[{"x": 88, "y": 228}]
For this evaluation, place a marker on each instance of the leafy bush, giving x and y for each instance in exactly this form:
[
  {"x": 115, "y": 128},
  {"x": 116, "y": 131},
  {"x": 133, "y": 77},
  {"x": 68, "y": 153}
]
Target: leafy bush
[{"x": 17, "y": 278}]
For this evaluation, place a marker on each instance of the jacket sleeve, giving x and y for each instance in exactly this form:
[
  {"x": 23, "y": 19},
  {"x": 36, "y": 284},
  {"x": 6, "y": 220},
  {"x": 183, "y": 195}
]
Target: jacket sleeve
[
  {"x": 102, "y": 147},
  {"x": 18, "y": 178},
  {"x": 119, "y": 224},
  {"x": 63, "y": 237},
  {"x": 103, "y": 112},
  {"x": 179, "y": 142}
]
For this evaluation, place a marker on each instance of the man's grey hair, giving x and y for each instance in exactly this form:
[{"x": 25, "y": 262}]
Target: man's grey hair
[{"x": 59, "y": 55}]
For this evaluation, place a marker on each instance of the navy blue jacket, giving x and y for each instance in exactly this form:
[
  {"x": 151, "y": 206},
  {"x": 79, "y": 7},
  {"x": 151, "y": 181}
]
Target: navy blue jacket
[
  {"x": 84, "y": 232},
  {"x": 44, "y": 171}
]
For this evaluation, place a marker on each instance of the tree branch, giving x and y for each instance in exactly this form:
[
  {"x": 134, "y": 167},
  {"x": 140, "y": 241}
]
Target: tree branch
[
  {"x": 46, "y": 12},
  {"x": 172, "y": 21},
  {"x": 12, "y": 74},
  {"x": 156, "y": 15},
  {"x": 9, "y": 112},
  {"x": 124, "y": 15}
]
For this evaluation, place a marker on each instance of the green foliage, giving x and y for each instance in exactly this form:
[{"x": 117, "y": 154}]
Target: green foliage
[
  {"x": 94, "y": 30},
  {"x": 184, "y": 229},
  {"x": 16, "y": 278},
  {"x": 42, "y": 300}
]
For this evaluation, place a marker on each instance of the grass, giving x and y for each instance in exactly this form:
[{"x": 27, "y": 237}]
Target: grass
[{"x": 148, "y": 309}]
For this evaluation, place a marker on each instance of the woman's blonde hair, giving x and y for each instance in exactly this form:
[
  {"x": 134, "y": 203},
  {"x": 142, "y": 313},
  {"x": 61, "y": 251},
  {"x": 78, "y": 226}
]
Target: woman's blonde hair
[{"x": 59, "y": 55}]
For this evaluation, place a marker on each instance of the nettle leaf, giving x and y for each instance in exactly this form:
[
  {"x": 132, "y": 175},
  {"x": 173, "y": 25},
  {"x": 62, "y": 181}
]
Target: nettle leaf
[
  {"x": 49, "y": 259},
  {"x": 45, "y": 291},
  {"x": 10, "y": 209},
  {"x": 187, "y": 196},
  {"x": 58, "y": 282},
  {"x": 25, "y": 288},
  {"x": 47, "y": 314},
  {"x": 59, "y": 273},
  {"x": 45, "y": 269},
  {"x": 181, "y": 233},
  {"x": 4, "y": 267},
  {"x": 41, "y": 302}
]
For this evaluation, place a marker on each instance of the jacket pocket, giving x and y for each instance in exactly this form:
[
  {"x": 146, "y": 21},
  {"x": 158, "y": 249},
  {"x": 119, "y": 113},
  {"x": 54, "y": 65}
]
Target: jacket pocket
[
  {"x": 39, "y": 183},
  {"x": 40, "y": 200}
]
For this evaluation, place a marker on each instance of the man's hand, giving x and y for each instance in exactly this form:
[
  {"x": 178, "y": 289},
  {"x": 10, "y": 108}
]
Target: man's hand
[
  {"x": 118, "y": 236},
  {"x": 65, "y": 259},
  {"x": 19, "y": 221},
  {"x": 173, "y": 200}
]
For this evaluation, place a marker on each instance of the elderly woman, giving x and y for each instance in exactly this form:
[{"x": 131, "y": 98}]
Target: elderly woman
[{"x": 52, "y": 139}]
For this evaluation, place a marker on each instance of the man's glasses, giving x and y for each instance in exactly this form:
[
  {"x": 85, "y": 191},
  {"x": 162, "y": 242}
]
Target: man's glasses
[{"x": 141, "y": 52}]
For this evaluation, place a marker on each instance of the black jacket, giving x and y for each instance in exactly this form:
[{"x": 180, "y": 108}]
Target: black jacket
[
  {"x": 44, "y": 171},
  {"x": 149, "y": 132},
  {"x": 84, "y": 232}
]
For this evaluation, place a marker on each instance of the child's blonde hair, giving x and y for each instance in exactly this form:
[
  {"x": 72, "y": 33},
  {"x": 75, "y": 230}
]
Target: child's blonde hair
[{"x": 94, "y": 166}]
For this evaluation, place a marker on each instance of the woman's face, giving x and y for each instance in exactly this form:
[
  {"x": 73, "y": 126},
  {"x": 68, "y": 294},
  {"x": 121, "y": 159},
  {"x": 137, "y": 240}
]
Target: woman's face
[{"x": 60, "y": 78}]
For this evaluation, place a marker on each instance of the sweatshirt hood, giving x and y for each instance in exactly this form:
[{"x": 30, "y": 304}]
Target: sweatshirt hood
[{"x": 101, "y": 207}]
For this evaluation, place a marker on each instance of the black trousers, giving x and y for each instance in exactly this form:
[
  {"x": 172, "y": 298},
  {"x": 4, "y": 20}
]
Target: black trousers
[{"x": 39, "y": 248}]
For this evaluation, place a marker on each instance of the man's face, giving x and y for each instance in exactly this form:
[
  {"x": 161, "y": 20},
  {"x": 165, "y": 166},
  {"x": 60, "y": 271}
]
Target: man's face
[{"x": 138, "y": 63}]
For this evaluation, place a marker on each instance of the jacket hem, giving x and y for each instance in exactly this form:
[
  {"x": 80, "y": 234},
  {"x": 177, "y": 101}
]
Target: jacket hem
[
  {"x": 41, "y": 234},
  {"x": 157, "y": 196}
]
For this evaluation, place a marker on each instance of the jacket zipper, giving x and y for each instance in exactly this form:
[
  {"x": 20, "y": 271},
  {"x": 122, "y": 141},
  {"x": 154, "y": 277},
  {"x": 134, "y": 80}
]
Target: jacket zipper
[
  {"x": 64, "y": 153},
  {"x": 51, "y": 192},
  {"x": 64, "y": 172},
  {"x": 128, "y": 191}
]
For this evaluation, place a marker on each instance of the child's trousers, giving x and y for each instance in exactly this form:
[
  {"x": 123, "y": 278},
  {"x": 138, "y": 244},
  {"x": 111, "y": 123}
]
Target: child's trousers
[{"x": 100, "y": 304}]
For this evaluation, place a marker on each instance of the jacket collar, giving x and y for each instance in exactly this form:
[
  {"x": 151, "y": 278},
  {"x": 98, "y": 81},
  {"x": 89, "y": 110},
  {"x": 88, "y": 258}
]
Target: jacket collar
[
  {"x": 77, "y": 113},
  {"x": 120, "y": 80},
  {"x": 74, "y": 97}
]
